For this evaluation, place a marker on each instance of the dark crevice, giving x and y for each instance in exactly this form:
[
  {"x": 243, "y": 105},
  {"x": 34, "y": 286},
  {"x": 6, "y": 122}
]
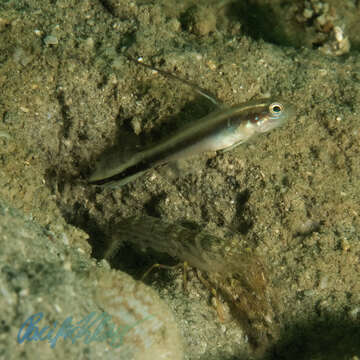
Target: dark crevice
[
  {"x": 241, "y": 221},
  {"x": 260, "y": 21},
  {"x": 65, "y": 114},
  {"x": 107, "y": 7}
]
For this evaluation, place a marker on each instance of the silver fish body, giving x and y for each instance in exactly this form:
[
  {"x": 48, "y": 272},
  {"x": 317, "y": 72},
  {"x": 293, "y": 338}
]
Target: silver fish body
[{"x": 221, "y": 130}]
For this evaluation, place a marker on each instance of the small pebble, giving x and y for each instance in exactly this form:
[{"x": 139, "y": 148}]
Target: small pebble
[
  {"x": 4, "y": 134},
  {"x": 308, "y": 13},
  {"x": 51, "y": 40},
  {"x": 324, "y": 282},
  {"x": 354, "y": 313},
  {"x": 89, "y": 43}
]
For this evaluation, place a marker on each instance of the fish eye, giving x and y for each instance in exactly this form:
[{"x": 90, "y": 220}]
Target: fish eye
[{"x": 276, "y": 108}]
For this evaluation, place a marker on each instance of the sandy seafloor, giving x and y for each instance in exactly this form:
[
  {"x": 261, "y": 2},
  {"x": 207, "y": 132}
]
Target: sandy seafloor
[{"x": 68, "y": 94}]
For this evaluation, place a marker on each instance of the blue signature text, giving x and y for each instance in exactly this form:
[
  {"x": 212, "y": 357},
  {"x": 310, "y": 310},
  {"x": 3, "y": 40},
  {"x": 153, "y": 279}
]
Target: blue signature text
[{"x": 91, "y": 328}]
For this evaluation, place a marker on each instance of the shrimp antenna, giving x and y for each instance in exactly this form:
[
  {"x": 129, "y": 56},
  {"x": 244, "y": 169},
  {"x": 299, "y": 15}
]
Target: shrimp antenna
[{"x": 196, "y": 88}]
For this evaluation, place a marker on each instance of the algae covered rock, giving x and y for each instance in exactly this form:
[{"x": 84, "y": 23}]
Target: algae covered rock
[{"x": 55, "y": 301}]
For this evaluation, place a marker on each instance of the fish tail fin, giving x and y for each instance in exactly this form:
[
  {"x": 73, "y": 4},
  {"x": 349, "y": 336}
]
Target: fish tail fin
[{"x": 116, "y": 184}]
